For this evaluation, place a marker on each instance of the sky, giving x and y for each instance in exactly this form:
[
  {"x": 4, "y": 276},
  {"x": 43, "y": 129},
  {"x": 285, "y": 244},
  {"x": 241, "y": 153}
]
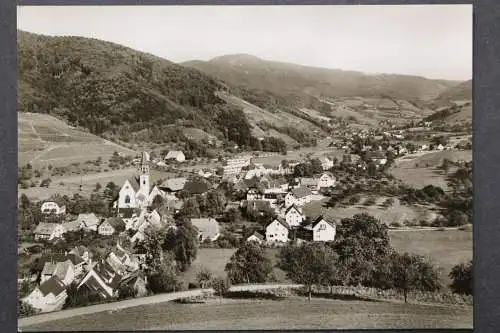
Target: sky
[{"x": 433, "y": 41}]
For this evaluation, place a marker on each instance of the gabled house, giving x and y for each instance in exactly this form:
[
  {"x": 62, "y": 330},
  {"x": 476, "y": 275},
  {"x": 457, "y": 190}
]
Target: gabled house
[
  {"x": 64, "y": 270},
  {"x": 277, "y": 231},
  {"x": 254, "y": 193},
  {"x": 48, "y": 231},
  {"x": 326, "y": 163},
  {"x": 82, "y": 252},
  {"x": 208, "y": 228},
  {"x": 49, "y": 296},
  {"x": 111, "y": 226},
  {"x": 298, "y": 196},
  {"x": 71, "y": 226},
  {"x": 293, "y": 216},
  {"x": 88, "y": 222},
  {"x": 175, "y": 155},
  {"x": 256, "y": 237},
  {"x": 323, "y": 230},
  {"x": 310, "y": 183},
  {"x": 101, "y": 279},
  {"x": 326, "y": 180}
]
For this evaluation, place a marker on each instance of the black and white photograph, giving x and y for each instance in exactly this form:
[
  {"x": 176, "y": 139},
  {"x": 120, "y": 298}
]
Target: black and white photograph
[{"x": 245, "y": 167}]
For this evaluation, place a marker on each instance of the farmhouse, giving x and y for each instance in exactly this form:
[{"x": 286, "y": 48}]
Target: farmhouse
[
  {"x": 48, "y": 231},
  {"x": 88, "y": 222},
  {"x": 277, "y": 231},
  {"x": 208, "y": 228},
  {"x": 293, "y": 216},
  {"x": 50, "y": 207},
  {"x": 175, "y": 155},
  {"x": 323, "y": 230},
  {"x": 101, "y": 279},
  {"x": 49, "y": 296},
  {"x": 298, "y": 196}
]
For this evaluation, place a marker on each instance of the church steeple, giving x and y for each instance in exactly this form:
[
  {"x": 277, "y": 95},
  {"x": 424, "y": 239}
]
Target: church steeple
[
  {"x": 144, "y": 166},
  {"x": 144, "y": 174}
]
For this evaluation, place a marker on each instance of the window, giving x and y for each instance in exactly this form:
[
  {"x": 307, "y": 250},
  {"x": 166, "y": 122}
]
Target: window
[
  {"x": 143, "y": 182},
  {"x": 127, "y": 199},
  {"x": 322, "y": 227}
]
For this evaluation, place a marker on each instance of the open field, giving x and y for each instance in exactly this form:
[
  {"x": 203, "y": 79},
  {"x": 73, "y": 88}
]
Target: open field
[
  {"x": 300, "y": 154},
  {"x": 214, "y": 260},
  {"x": 291, "y": 313},
  {"x": 419, "y": 170},
  {"x": 45, "y": 140}
]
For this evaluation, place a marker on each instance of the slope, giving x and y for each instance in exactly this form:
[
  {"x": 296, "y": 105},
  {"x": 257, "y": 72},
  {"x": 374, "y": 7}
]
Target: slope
[{"x": 459, "y": 93}]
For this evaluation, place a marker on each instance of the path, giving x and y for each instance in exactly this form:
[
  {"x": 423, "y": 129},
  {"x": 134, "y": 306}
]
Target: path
[{"x": 115, "y": 306}]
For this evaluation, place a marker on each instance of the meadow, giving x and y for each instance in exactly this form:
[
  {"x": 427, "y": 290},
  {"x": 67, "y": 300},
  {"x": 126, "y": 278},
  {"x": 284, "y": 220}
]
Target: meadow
[{"x": 290, "y": 313}]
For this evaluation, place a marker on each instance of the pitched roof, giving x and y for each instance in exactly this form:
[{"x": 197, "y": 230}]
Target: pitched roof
[
  {"x": 45, "y": 228},
  {"x": 321, "y": 218},
  {"x": 88, "y": 219},
  {"x": 282, "y": 221},
  {"x": 174, "y": 184},
  {"x": 173, "y": 154},
  {"x": 49, "y": 268},
  {"x": 62, "y": 268},
  {"x": 308, "y": 181},
  {"x": 134, "y": 183},
  {"x": 301, "y": 192},
  {"x": 53, "y": 285},
  {"x": 60, "y": 257},
  {"x": 115, "y": 222},
  {"x": 293, "y": 207},
  {"x": 196, "y": 186},
  {"x": 257, "y": 234},
  {"x": 71, "y": 225}
]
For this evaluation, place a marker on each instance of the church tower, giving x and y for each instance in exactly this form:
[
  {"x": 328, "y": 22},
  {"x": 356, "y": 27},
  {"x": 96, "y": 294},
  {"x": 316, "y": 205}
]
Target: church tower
[{"x": 144, "y": 174}]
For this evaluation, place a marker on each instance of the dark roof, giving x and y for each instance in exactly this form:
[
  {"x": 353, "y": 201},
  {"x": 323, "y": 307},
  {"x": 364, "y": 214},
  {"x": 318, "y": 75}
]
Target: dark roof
[
  {"x": 53, "y": 285},
  {"x": 115, "y": 222},
  {"x": 319, "y": 219},
  {"x": 290, "y": 208},
  {"x": 301, "y": 192},
  {"x": 282, "y": 221},
  {"x": 252, "y": 182},
  {"x": 134, "y": 183},
  {"x": 257, "y": 204},
  {"x": 258, "y": 235},
  {"x": 60, "y": 257}
]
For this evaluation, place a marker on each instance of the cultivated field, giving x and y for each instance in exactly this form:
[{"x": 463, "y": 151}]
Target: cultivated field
[
  {"x": 45, "y": 140},
  {"x": 290, "y": 313}
]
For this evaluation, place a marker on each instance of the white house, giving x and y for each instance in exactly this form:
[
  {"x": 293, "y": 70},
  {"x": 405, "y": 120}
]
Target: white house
[
  {"x": 326, "y": 180},
  {"x": 298, "y": 196},
  {"x": 101, "y": 279},
  {"x": 63, "y": 270},
  {"x": 50, "y": 207},
  {"x": 323, "y": 230},
  {"x": 88, "y": 222},
  {"x": 176, "y": 155},
  {"x": 293, "y": 216},
  {"x": 256, "y": 237},
  {"x": 110, "y": 226},
  {"x": 277, "y": 231},
  {"x": 254, "y": 194},
  {"x": 49, "y": 296},
  {"x": 48, "y": 231}
]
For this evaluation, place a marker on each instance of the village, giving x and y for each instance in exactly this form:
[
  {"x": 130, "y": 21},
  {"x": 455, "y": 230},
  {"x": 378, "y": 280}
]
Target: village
[{"x": 269, "y": 197}]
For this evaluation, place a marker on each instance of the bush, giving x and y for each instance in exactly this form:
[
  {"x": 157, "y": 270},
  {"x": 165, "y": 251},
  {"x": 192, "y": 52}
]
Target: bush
[
  {"x": 25, "y": 310},
  {"x": 396, "y": 225},
  {"x": 369, "y": 202},
  {"x": 424, "y": 223},
  {"x": 193, "y": 285},
  {"x": 46, "y": 182}
]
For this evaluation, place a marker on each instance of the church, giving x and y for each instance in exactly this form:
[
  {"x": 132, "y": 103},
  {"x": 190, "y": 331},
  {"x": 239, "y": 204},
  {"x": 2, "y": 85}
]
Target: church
[{"x": 136, "y": 192}]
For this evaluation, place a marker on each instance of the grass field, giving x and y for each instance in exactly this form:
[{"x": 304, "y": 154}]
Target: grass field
[{"x": 291, "y": 313}]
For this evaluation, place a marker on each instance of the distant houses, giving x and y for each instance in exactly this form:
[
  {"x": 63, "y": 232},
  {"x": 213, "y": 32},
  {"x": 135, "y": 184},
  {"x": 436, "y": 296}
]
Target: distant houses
[
  {"x": 49, "y": 296},
  {"x": 277, "y": 231},
  {"x": 323, "y": 230},
  {"x": 88, "y": 222},
  {"x": 208, "y": 228},
  {"x": 48, "y": 231},
  {"x": 293, "y": 216},
  {"x": 50, "y": 207},
  {"x": 298, "y": 196}
]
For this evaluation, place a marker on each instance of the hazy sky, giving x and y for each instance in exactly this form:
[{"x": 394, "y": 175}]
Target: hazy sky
[{"x": 434, "y": 41}]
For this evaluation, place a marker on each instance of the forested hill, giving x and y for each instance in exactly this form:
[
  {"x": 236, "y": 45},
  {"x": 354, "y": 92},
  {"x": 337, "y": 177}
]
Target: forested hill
[{"x": 120, "y": 93}]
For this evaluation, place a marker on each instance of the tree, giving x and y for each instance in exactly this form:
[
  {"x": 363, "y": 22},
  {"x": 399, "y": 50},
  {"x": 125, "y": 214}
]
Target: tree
[
  {"x": 204, "y": 278},
  {"x": 125, "y": 291},
  {"x": 97, "y": 187},
  {"x": 164, "y": 278},
  {"x": 406, "y": 272},
  {"x": 182, "y": 242},
  {"x": 25, "y": 202},
  {"x": 111, "y": 191},
  {"x": 220, "y": 286},
  {"x": 361, "y": 242},
  {"x": 462, "y": 277},
  {"x": 157, "y": 202},
  {"x": 309, "y": 264},
  {"x": 25, "y": 310},
  {"x": 249, "y": 264}
]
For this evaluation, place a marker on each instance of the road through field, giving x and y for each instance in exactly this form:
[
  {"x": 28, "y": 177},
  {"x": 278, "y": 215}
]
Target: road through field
[{"x": 115, "y": 306}]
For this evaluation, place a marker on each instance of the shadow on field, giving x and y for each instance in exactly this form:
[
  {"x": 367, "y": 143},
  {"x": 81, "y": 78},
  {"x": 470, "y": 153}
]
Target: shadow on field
[
  {"x": 253, "y": 295},
  {"x": 340, "y": 297}
]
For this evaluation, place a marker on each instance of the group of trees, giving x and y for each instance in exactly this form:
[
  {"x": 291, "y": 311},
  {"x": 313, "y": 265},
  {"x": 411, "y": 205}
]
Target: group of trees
[{"x": 308, "y": 169}]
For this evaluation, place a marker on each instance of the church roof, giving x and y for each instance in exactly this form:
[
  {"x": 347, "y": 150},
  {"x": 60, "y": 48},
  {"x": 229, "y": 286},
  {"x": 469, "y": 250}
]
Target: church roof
[{"x": 134, "y": 183}]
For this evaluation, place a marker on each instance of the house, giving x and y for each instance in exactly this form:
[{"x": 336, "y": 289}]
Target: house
[
  {"x": 254, "y": 193},
  {"x": 311, "y": 183},
  {"x": 377, "y": 157},
  {"x": 323, "y": 230},
  {"x": 50, "y": 207},
  {"x": 71, "y": 226},
  {"x": 326, "y": 180},
  {"x": 326, "y": 163},
  {"x": 277, "y": 231},
  {"x": 88, "y": 222},
  {"x": 82, "y": 252},
  {"x": 48, "y": 231},
  {"x": 293, "y": 216},
  {"x": 298, "y": 196},
  {"x": 49, "y": 296},
  {"x": 111, "y": 226},
  {"x": 136, "y": 191},
  {"x": 256, "y": 237},
  {"x": 208, "y": 228},
  {"x": 175, "y": 155},
  {"x": 64, "y": 270},
  {"x": 138, "y": 237},
  {"x": 138, "y": 282},
  {"x": 174, "y": 184},
  {"x": 101, "y": 279}
]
